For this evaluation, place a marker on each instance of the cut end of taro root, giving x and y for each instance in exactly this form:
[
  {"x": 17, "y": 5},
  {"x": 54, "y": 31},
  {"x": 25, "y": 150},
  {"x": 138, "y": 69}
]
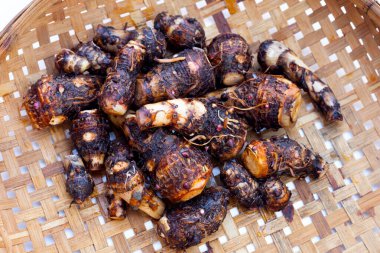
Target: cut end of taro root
[{"x": 232, "y": 79}]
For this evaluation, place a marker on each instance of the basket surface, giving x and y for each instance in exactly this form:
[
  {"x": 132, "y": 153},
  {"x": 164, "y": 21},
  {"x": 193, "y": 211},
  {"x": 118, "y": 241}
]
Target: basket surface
[{"x": 340, "y": 212}]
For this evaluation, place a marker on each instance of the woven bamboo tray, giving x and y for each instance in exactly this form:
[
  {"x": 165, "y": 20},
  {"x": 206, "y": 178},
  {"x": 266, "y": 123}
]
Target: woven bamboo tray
[{"x": 340, "y": 212}]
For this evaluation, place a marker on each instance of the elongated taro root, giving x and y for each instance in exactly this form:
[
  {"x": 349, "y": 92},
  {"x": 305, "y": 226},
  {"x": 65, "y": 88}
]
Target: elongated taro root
[
  {"x": 179, "y": 171},
  {"x": 276, "y": 194},
  {"x": 219, "y": 128},
  {"x": 229, "y": 54},
  {"x": 188, "y": 74},
  {"x": 251, "y": 193},
  {"x": 117, "y": 207},
  {"x": 264, "y": 158},
  {"x": 275, "y": 56},
  {"x": 54, "y": 99},
  {"x": 69, "y": 62},
  {"x": 90, "y": 136},
  {"x": 180, "y": 32},
  {"x": 118, "y": 90},
  {"x": 186, "y": 224},
  {"x": 79, "y": 183},
  {"x": 266, "y": 101},
  {"x": 128, "y": 182},
  {"x": 112, "y": 40},
  {"x": 154, "y": 43},
  {"x": 241, "y": 184},
  {"x": 100, "y": 61}
]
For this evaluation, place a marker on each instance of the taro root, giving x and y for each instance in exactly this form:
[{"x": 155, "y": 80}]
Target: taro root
[
  {"x": 180, "y": 32},
  {"x": 118, "y": 90},
  {"x": 274, "y": 56},
  {"x": 117, "y": 207},
  {"x": 229, "y": 54},
  {"x": 187, "y": 74},
  {"x": 179, "y": 171},
  {"x": 100, "y": 61},
  {"x": 276, "y": 194},
  {"x": 79, "y": 183},
  {"x": 154, "y": 43},
  {"x": 54, "y": 99},
  {"x": 69, "y": 62},
  {"x": 202, "y": 121},
  {"x": 264, "y": 158},
  {"x": 267, "y": 102},
  {"x": 241, "y": 184},
  {"x": 128, "y": 182},
  {"x": 90, "y": 136},
  {"x": 112, "y": 40},
  {"x": 186, "y": 224}
]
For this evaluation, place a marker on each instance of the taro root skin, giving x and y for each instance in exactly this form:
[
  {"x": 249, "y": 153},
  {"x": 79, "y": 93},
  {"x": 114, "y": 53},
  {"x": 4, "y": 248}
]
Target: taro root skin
[
  {"x": 117, "y": 207},
  {"x": 180, "y": 32},
  {"x": 266, "y": 101},
  {"x": 154, "y": 43},
  {"x": 276, "y": 57},
  {"x": 90, "y": 136},
  {"x": 100, "y": 61},
  {"x": 128, "y": 182},
  {"x": 202, "y": 121},
  {"x": 69, "y": 62},
  {"x": 111, "y": 40},
  {"x": 277, "y": 195},
  {"x": 241, "y": 184},
  {"x": 264, "y": 158},
  {"x": 229, "y": 54},
  {"x": 179, "y": 171},
  {"x": 118, "y": 90},
  {"x": 54, "y": 99},
  {"x": 187, "y": 223},
  {"x": 79, "y": 183},
  {"x": 190, "y": 77}
]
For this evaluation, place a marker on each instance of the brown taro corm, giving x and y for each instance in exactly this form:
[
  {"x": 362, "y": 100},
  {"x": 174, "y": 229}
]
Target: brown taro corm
[
  {"x": 276, "y": 194},
  {"x": 186, "y": 224},
  {"x": 128, "y": 182},
  {"x": 241, "y": 184},
  {"x": 266, "y": 101},
  {"x": 230, "y": 55},
  {"x": 180, "y": 32},
  {"x": 79, "y": 183},
  {"x": 90, "y": 135},
  {"x": 187, "y": 74},
  {"x": 112, "y": 40},
  {"x": 154, "y": 43},
  {"x": 54, "y": 99},
  {"x": 100, "y": 61},
  {"x": 179, "y": 171},
  {"x": 264, "y": 158},
  {"x": 117, "y": 207},
  {"x": 252, "y": 193},
  {"x": 68, "y": 61},
  {"x": 203, "y": 122},
  {"x": 274, "y": 56},
  {"x": 118, "y": 90}
]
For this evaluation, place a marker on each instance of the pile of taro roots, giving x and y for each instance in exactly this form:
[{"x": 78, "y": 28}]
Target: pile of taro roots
[{"x": 179, "y": 108}]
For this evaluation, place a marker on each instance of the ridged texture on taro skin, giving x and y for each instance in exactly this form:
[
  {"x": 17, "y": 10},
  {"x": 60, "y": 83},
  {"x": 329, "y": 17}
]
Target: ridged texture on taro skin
[
  {"x": 181, "y": 32},
  {"x": 90, "y": 134},
  {"x": 186, "y": 224},
  {"x": 54, "y": 99}
]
